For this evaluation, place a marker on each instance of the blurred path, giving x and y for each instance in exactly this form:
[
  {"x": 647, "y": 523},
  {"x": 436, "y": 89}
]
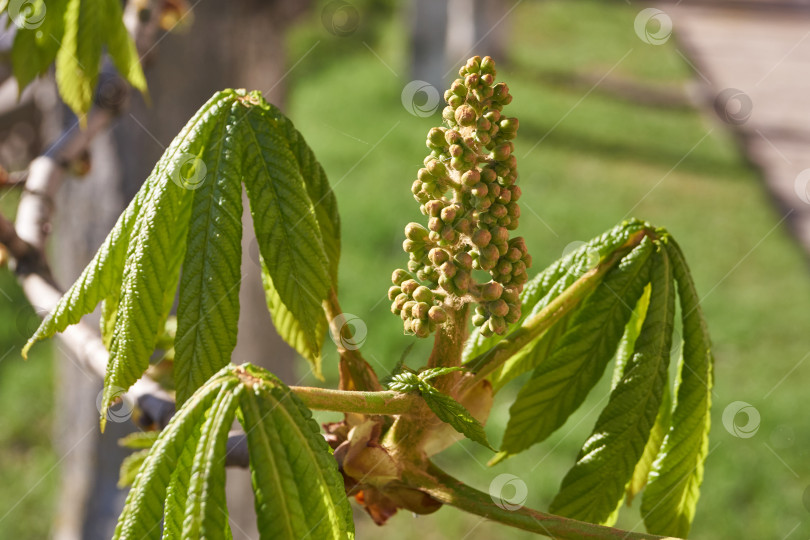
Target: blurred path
[{"x": 755, "y": 60}]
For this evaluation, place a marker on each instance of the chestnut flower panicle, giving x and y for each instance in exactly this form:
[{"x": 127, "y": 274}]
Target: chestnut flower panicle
[{"x": 468, "y": 191}]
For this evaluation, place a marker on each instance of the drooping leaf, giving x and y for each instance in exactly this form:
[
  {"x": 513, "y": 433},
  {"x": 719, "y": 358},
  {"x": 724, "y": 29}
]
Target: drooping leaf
[
  {"x": 98, "y": 281},
  {"x": 560, "y": 384},
  {"x": 594, "y": 487},
  {"x": 298, "y": 490},
  {"x": 206, "y": 511},
  {"x": 452, "y": 412},
  {"x": 188, "y": 214},
  {"x": 662, "y": 421},
  {"x": 177, "y": 491},
  {"x": 288, "y": 233},
  {"x": 447, "y": 409},
  {"x": 157, "y": 244},
  {"x": 318, "y": 188},
  {"x": 144, "y": 507},
  {"x": 669, "y": 501},
  {"x": 540, "y": 291},
  {"x": 208, "y": 306},
  {"x": 631, "y": 331},
  {"x": 130, "y": 466},
  {"x": 641, "y": 473},
  {"x": 121, "y": 47},
  {"x": 74, "y": 34},
  {"x": 530, "y": 356},
  {"x": 139, "y": 439},
  {"x": 34, "y": 48}
]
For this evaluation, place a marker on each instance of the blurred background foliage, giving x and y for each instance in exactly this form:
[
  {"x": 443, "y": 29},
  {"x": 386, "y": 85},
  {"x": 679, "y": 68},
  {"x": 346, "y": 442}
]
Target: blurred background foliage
[{"x": 588, "y": 157}]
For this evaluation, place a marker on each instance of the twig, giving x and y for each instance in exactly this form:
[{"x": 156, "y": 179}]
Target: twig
[{"x": 448, "y": 490}]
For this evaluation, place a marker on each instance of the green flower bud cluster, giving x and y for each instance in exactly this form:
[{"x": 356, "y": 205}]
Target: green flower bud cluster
[{"x": 467, "y": 190}]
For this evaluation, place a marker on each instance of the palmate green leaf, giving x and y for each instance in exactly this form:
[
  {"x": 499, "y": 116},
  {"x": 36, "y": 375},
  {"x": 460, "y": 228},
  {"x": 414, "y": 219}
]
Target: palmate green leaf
[
  {"x": 594, "y": 487},
  {"x": 318, "y": 188},
  {"x": 188, "y": 214},
  {"x": 98, "y": 281},
  {"x": 298, "y": 490},
  {"x": 139, "y": 439},
  {"x": 34, "y": 49},
  {"x": 130, "y": 466},
  {"x": 74, "y": 33},
  {"x": 177, "y": 491},
  {"x": 157, "y": 244},
  {"x": 208, "y": 305},
  {"x": 669, "y": 501},
  {"x": 206, "y": 511},
  {"x": 662, "y": 421},
  {"x": 144, "y": 506},
  {"x": 284, "y": 215},
  {"x": 560, "y": 384},
  {"x": 447, "y": 409},
  {"x": 540, "y": 291},
  {"x": 121, "y": 47}
]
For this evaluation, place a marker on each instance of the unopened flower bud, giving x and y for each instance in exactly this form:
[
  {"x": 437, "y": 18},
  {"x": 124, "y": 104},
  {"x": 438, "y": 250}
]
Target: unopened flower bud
[
  {"x": 481, "y": 237},
  {"x": 498, "y": 324},
  {"x": 463, "y": 260},
  {"x": 393, "y": 292},
  {"x": 439, "y": 256},
  {"x": 511, "y": 295},
  {"x": 491, "y": 291},
  {"x": 437, "y": 314},
  {"x": 422, "y": 294},
  {"x": 421, "y": 329},
  {"x": 408, "y": 286},
  {"x": 513, "y": 255},
  {"x": 420, "y": 310},
  {"x": 465, "y": 115},
  {"x": 488, "y": 65},
  {"x": 480, "y": 190},
  {"x": 448, "y": 269},
  {"x": 415, "y": 232},
  {"x": 399, "y": 276},
  {"x": 462, "y": 281},
  {"x": 490, "y": 252},
  {"x": 434, "y": 207}
]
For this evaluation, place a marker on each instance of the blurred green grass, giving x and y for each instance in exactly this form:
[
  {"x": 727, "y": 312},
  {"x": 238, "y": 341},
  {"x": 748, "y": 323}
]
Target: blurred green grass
[
  {"x": 28, "y": 473},
  {"x": 602, "y": 157}
]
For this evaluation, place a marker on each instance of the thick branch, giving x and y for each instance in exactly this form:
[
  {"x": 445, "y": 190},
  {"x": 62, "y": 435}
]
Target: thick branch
[
  {"x": 448, "y": 490},
  {"x": 386, "y": 402}
]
